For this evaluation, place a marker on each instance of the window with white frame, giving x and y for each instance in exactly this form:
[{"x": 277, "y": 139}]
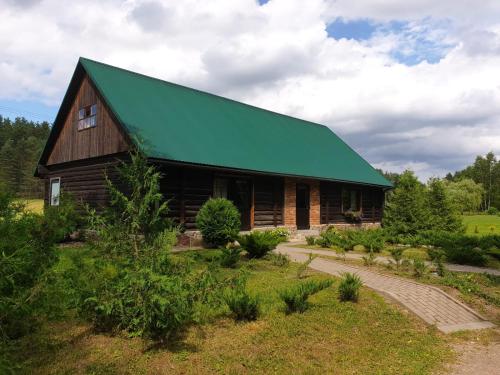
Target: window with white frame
[
  {"x": 87, "y": 117},
  {"x": 55, "y": 191}
]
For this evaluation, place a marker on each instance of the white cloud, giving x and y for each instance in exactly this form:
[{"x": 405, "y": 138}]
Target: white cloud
[{"x": 431, "y": 117}]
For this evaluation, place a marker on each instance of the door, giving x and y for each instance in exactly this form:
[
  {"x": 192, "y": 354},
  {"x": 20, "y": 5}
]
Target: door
[
  {"x": 302, "y": 206},
  {"x": 240, "y": 193}
]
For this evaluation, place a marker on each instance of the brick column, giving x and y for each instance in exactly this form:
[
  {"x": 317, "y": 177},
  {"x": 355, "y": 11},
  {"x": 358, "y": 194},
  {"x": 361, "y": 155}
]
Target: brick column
[
  {"x": 290, "y": 192},
  {"x": 314, "y": 208}
]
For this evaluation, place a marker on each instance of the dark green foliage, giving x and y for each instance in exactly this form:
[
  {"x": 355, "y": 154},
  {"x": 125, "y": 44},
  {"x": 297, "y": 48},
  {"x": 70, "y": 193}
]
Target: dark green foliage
[
  {"x": 311, "y": 240},
  {"x": 242, "y": 305},
  {"x": 492, "y": 211},
  {"x": 21, "y": 143},
  {"x": 371, "y": 239},
  {"x": 349, "y": 287},
  {"x": 295, "y": 297},
  {"x": 229, "y": 257},
  {"x": 140, "y": 287},
  {"x": 26, "y": 252},
  {"x": 64, "y": 219},
  {"x": 258, "y": 243},
  {"x": 407, "y": 211},
  {"x": 444, "y": 215},
  {"x": 218, "y": 221}
]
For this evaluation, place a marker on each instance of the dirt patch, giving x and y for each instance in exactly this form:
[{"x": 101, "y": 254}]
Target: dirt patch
[{"x": 478, "y": 359}]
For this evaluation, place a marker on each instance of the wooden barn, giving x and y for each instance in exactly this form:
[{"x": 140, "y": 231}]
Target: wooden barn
[{"x": 278, "y": 170}]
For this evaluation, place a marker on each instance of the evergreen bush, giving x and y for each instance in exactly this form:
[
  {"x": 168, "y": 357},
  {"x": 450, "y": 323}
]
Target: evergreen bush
[
  {"x": 349, "y": 287},
  {"x": 218, "y": 221},
  {"x": 295, "y": 297},
  {"x": 258, "y": 243}
]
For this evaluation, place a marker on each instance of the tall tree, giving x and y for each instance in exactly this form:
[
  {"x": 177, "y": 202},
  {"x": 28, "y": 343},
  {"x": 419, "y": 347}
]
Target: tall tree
[
  {"x": 407, "y": 210},
  {"x": 465, "y": 194},
  {"x": 443, "y": 214}
]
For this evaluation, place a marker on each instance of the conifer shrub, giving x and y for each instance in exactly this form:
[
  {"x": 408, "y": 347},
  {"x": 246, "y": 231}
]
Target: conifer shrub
[
  {"x": 295, "y": 297},
  {"x": 218, "y": 221},
  {"x": 243, "y": 305},
  {"x": 258, "y": 243},
  {"x": 229, "y": 257},
  {"x": 349, "y": 287}
]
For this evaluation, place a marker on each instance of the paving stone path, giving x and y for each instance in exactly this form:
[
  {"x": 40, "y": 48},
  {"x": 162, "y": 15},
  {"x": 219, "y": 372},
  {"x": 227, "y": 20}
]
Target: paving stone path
[{"x": 429, "y": 303}]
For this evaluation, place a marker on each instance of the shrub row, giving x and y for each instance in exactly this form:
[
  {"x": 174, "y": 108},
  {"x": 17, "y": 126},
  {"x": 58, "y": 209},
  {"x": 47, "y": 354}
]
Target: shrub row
[{"x": 371, "y": 239}]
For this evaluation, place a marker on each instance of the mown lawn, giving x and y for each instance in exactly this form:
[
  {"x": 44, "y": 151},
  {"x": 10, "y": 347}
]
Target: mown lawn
[
  {"x": 482, "y": 224},
  {"x": 370, "y": 337}
]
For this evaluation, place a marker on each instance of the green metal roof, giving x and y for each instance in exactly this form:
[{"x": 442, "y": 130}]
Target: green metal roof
[{"x": 182, "y": 124}]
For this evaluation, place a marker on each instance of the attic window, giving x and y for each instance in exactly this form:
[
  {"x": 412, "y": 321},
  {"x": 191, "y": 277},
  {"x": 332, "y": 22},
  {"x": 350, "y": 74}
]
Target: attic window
[{"x": 87, "y": 117}]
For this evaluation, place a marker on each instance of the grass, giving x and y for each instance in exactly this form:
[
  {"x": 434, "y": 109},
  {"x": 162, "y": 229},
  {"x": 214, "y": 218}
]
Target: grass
[
  {"x": 34, "y": 205},
  {"x": 370, "y": 336},
  {"x": 486, "y": 224}
]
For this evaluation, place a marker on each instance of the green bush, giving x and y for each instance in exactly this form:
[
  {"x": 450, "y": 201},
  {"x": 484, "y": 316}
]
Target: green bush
[
  {"x": 281, "y": 234},
  {"x": 349, "y": 287},
  {"x": 61, "y": 221},
  {"x": 295, "y": 297},
  {"x": 419, "y": 267},
  {"x": 302, "y": 268},
  {"x": 229, "y": 257},
  {"x": 311, "y": 240},
  {"x": 218, "y": 221},
  {"x": 331, "y": 237},
  {"x": 492, "y": 211},
  {"x": 258, "y": 243},
  {"x": 242, "y": 305},
  {"x": 371, "y": 239},
  {"x": 26, "y": 252},
  {"x": 139, "y": 286}
]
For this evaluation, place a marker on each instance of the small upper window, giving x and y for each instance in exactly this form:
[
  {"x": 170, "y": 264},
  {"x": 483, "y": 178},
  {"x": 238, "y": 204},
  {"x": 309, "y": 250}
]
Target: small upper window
[
  {"x": 351, "y": 200},
  {"x": 87, "y": 117}
]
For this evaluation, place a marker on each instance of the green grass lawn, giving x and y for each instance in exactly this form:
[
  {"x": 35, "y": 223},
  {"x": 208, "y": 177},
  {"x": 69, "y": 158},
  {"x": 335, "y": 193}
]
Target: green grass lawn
[
  {"x": 485, "y": 224},
  {"x": 368, "y": 337},
  {"x": 34, "y": 205}
]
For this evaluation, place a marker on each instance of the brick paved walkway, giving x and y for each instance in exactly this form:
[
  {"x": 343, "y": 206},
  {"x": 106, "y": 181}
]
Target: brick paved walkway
[{"x": 430, "y": 303}]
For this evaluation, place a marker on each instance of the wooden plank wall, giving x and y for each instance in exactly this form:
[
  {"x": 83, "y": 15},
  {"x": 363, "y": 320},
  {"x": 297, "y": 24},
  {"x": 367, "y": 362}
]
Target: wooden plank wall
[
  {"x": 104, "y": 139},
  {"x": 85, "y": 181},
  {"x": 268, "y": 201}
]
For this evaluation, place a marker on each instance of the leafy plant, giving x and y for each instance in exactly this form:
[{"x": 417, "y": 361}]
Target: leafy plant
[
  {"x": 281, "y": 234},
  {"x": 349, "y": 287},
  {"x": 419, "y": 268},
  {"x": 369, "y": 259},
  {"x": 310, "y": 240},
  {"x": 302, "y": 268},
  {"x": 278, "y": 259},
  {"x": 218, "y": 221},
  {"x": 397, "y": 255},
  {"x": 295, "y": 297},
  {"x": 258, "y": 243},
  {"x": 229, "y": 257}
]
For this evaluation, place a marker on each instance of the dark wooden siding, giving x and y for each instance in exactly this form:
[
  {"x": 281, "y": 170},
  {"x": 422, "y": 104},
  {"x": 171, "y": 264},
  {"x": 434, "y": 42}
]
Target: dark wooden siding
[
  {"x": 85, "y": 180},
  {"x": 104, "y": 139},
  {"x": 268, "y": 201},
  {"x": 331, "y": 211},
  {"x": 187, "y": 189}
]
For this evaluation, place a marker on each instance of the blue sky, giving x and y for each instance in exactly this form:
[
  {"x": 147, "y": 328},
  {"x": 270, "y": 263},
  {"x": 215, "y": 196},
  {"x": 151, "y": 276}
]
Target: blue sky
[{"x": 409, "y": 84}]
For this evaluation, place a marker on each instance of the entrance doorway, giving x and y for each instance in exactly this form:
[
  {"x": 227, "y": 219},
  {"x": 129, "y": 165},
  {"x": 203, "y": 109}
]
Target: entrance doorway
[{"x": 302, "y": 206}]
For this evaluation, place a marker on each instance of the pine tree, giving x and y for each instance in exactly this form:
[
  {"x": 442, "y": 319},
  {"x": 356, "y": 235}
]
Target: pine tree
[
  {"x": 444, "y": 215},
  {"x": 407, "y": 210}
]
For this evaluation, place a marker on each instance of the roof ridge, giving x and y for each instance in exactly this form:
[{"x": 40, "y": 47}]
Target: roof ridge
[{"x": 205, "y": 93}]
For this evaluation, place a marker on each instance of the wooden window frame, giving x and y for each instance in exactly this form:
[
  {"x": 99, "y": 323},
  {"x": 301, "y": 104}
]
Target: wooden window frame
[
  {"x": 51, "y": 197},
  {"x": 87, "y": 117}
]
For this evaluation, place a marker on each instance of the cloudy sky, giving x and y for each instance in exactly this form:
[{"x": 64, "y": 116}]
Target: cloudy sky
[{"x": 409, "y": 84}]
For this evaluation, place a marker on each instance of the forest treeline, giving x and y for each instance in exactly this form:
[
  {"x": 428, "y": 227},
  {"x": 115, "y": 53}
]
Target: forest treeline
[
  {"x": 21, "y": 143},
  {"x": 476, "y": 187}
]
